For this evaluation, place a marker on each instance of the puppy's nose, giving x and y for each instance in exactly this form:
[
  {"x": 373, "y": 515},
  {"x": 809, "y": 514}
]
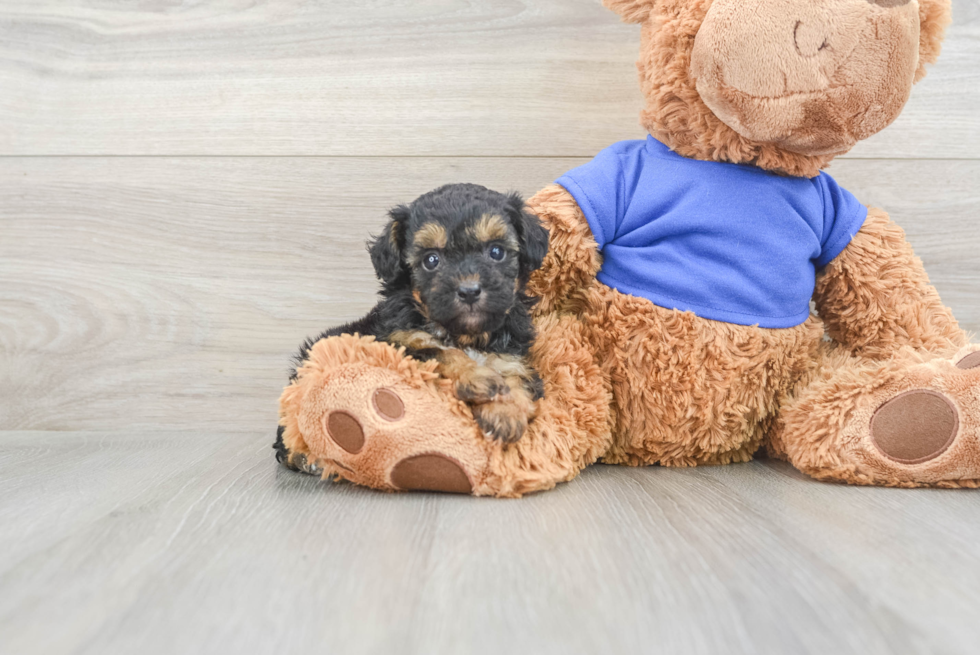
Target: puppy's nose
[{"x": 468, "y": 292}]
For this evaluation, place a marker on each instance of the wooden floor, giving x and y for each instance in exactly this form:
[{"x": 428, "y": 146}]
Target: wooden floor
[
  {"x": 170, "y": 542},
  {"x": 185, "y": 189}
]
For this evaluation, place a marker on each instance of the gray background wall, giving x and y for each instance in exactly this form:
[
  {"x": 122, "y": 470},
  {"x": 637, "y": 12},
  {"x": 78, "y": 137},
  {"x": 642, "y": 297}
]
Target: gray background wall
[{"x": 185, "y": 189}]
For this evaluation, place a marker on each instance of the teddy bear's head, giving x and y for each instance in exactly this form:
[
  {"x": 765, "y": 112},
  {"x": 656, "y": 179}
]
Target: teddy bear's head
[{"x": 784, "y": 84}]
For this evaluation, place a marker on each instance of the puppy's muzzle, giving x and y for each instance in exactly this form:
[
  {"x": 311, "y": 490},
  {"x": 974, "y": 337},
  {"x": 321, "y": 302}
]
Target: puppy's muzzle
[{"x": 469, "y": 292}]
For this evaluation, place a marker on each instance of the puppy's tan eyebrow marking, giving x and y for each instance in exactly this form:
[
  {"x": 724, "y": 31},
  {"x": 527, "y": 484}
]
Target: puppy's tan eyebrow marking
[
  {"x": 430, "y": 235},
  {"x": 493, "y": 227},
  {"x": 489, "y": 227}
]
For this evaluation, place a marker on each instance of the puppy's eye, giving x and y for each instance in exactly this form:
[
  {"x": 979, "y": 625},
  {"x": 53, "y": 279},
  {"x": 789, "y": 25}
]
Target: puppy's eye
[
  {"x": 496, "y": 253},
  {"x": 431, "y": 261}
]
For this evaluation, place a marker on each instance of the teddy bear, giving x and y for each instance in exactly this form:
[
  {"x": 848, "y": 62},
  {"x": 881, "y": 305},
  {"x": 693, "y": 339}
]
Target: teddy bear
[{"x": 708, "y": 293}]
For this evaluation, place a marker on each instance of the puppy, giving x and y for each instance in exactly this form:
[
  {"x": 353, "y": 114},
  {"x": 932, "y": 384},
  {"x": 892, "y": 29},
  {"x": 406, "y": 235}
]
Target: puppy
[{"x": 453, "y": 267}]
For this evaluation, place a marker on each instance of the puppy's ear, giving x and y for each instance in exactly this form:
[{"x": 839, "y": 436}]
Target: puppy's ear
[
  {"x": 531, "y": 234},
  {"x": 386, "y": 249}
]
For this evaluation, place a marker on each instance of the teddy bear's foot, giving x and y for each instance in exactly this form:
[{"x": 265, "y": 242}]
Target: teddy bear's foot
[
  {"x": 382, "y": 432},
  {"x": 909, "y": 422},
  {"x": 360, "y": 411}
]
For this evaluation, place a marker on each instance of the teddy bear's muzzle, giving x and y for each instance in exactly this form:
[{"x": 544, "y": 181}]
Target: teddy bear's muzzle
[{"x": 810, "y": 77}]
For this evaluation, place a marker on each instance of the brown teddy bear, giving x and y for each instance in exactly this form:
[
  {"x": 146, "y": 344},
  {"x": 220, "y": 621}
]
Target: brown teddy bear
[{"x": 674, "y": 322}]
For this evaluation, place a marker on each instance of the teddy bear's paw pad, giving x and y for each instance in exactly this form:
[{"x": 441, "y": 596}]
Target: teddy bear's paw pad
[
  {"x": 431, "y": 472},
  {"x": 345, "y": 430},
  {"x": 388, "y": 405},
  {"x": 970, "y": 361},
  {"x": 915, "y": 426}
]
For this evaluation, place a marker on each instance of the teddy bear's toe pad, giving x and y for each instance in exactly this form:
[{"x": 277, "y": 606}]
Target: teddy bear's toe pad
[
  {"x": 970, "y": 361},
  {"x": 388, "y": 404},
  {"x": 345, "y": 430},
  {"x": 915, "y": 426},
  {"x": 431, "y": 472}
]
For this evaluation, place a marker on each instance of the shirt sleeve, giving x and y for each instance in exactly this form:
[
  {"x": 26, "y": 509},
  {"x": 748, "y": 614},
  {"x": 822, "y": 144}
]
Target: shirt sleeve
[
  {"x": 843, "y": 217},
  {"x": 599, "y": 189}
]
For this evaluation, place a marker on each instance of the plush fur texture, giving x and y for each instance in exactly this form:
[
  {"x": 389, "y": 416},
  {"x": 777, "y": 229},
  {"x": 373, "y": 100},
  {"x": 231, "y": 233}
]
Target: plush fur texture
[
  {"x": 823, "y": 428},
  {"x": 876, "y": 298},
  {"x": 678, "y": 116},
  {"x": 664, "y": 363},
  {"x": 810, "y": 77},
  {"x": 573, "y": 260},
  {"x": 880, "y": 370}
]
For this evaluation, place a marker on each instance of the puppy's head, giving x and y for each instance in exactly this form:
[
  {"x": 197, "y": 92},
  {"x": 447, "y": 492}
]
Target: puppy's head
[{"x": 465, "y": 252}]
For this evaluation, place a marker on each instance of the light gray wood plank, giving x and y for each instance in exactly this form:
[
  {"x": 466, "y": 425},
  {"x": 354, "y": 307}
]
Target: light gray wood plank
[
  {"x": 154, "y": 292},
  {"x": 197, "y": 542},
  {"x": 940, "y": 120},
  {"x": 187, "y": 284},
  {"x": 526, "y": 78},
  {"x": 324, "y": 78}
]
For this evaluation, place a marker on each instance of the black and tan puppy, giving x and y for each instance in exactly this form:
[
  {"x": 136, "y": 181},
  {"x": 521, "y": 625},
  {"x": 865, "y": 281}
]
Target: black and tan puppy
[{"x": 453, "y": 267}]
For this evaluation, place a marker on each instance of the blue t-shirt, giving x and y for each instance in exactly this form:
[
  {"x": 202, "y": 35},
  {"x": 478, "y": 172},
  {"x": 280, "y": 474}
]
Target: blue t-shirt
[{"x": 729, "y": 242}]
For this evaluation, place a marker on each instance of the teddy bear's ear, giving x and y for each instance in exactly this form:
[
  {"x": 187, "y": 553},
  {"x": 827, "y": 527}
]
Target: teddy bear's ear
[
  {"x": 934, "y": 17},
  {"x": 631, "y": 11}
]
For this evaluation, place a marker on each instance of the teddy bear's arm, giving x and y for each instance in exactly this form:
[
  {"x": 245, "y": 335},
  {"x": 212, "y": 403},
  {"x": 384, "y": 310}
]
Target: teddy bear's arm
[
  {"x": 875, "y": 297},
  {"x": 573, "y": 258}
]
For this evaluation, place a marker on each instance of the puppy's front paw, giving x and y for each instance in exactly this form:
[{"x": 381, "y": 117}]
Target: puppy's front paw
[
  {"x": 501, "y": 420},
  {"x": 480, "y": 385}
]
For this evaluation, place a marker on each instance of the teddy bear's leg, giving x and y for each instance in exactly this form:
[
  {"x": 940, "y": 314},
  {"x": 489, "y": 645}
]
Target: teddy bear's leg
[
  {"x": 911, "y": 421},
  {"x": 896, "y": 399},
  {"x": 361, "y": 411}
]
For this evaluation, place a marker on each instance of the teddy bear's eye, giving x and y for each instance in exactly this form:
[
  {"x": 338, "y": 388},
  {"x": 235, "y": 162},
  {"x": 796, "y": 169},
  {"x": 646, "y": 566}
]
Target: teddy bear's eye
[
  {"x": 431, "y": 261},
  {"x": 496, "y": 253}
]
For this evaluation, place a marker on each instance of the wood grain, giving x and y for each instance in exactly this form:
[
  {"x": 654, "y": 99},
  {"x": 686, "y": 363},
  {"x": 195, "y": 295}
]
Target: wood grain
[
  {"x": 199, "y": 543},
  {"x": 185, "y": 190},
  {"x": 549, "y": 78},
  {"x": 186, "y": 285},
  {"x": 154, "y": 292}
]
